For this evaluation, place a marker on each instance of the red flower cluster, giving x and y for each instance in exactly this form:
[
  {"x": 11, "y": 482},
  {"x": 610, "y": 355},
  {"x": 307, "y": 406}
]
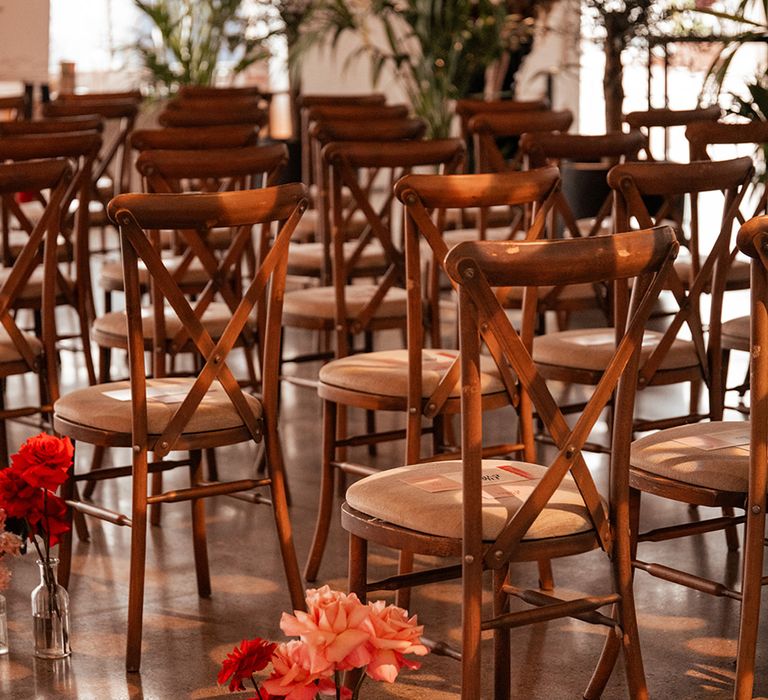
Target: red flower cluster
[
  {"x": 27, "y": 486},
  {"x": 242, "y": 662}
]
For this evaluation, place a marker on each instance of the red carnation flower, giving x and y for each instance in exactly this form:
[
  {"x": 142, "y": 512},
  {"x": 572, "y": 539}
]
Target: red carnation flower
[
  {"x": 242, "y": 662},
  {"x": 44, "y": 461}
]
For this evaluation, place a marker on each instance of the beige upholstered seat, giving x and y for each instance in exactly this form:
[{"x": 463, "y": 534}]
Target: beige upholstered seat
[
  {"x": 32, "y": 290},
  {"x": 385, "y": 373},
  {"x": 308, "y": 258},
  {"x": 9, "y": 352},
  {"x": 115, "y": 323},
  {"x": 591, "y": 349},
  {"x": 111, "y": 273},
  {"x": 738, "y": 272},
  {"x": 713, "y": 455},
  {"x": 320, "y": 302},
  {"x": 433, "y": 504},
  {"x": 96, "y": 407},
  {"x": 735, "y": 334},
  {"x": 574, "y": 293}
]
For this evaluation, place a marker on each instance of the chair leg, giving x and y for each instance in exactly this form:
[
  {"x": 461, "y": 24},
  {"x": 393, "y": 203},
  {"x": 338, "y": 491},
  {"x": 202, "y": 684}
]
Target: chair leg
[
  {"x": 502, "y": 668},
  {"x": 199, "y": 537},
  {"x": 156, "y": 509},
  {"x": 404, "y": 566},
  {"x": 546, "y": 577},
  {"x": 138, "y": 562},
  {"x": 282, "y": 519},
  {"x": 65, "y": 543},
  {"x": 341, "y": 452},
  {"x": 85, "y": 339},
  {"x": 325, "y": 508},
  {"x": 750, "y": 600},
  {"x": 357, "y": 584},
  {"x": 97, "y": 462},
  {"x": 213, "y": 467},
  {"x": 731, "y": 532},
  {"x": 105, "y": 360},
  {"x": 4, "y": 461}
]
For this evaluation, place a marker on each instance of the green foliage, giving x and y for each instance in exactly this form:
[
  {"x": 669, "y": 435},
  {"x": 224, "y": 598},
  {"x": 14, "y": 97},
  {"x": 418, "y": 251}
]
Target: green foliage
[
  {"x": 755, "y": 108},
  {"x": 435, "y": 46},
  {"x": 188, "y": 39}
]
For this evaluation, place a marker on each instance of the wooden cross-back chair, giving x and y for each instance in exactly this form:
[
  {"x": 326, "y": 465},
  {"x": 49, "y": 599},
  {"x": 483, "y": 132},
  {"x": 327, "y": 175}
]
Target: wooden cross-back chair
[
  {"x": 112, "y": 171},
  {"x": 73, "y": 286},
  {"x": 733, "y": 333},
  {"x": 665, "y": 118},
  {"x": 306, "y": 102},
  {"x": 667, "y": 357},
  {"x": 598, "y": 153},
  {"x": 718, "y": 464},
  {"x": 487, "y": 128},
  {"x": 525, "y": 511},
  {"x": 221, "y": 92},
  {"x": 209, "y": 410},
  {"x": 371, "y": 380},
  {"x": 216, "y": 113},
  {"x": 468, "y": 108},
  {"x": 214, "y": 280},
  {"x": 20, "y": 351}
]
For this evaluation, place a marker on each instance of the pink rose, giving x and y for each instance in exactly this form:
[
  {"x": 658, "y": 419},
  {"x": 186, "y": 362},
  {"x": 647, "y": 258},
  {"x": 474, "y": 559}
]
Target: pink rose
[
  {"x": 291, "y": 677},
  {"x": 334, "y": 628},
  {"x": 393, "y": 634}
]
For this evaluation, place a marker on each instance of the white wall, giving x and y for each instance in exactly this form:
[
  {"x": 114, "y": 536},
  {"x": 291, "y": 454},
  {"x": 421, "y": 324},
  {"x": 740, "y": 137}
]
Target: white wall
[{"x": 24, "y": 40}]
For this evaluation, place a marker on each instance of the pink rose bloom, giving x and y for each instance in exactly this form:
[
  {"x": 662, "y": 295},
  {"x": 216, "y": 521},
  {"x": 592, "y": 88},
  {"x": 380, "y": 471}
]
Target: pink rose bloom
[
  {"x": 335, "y": 629},
  {"x": 291, "y": 677},
  {"x": 393, "y": 635}
]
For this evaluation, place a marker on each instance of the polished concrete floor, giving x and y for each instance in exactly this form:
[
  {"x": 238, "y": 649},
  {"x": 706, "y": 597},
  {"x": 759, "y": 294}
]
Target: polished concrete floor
[{"x": 688, "y": 638}]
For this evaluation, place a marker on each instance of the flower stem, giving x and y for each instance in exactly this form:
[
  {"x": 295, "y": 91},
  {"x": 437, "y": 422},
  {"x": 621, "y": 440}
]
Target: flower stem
[
  {"x": 358, "y": 685},
  {"x": 337, "y": 682},
  {"x": 256, "y": 687}
]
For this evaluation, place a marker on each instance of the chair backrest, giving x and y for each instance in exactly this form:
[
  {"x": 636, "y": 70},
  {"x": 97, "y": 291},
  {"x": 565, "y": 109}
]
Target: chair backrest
[
  {"x": 217, "y": 114},
  {"x": 214, "y": 103},
  {"x": 194, "y": 138},
  {"x": 487, "y": 128},
  {"x": 16, "y": 104},
  {"x": 665, "y": 118},
  {"x": 119, "y": 113},
  {"x": 632, "y": 182},
  {"x": 477, "y": 267},
  {"x": 220, "y": 92},
  {"x": 348, "y": 165},
  {"x": 53, "y": 175},
  {"x": 271, "y": 208},
  {"x": 62, "y": 125},
  {"x": 703, "y": 134},
  {"x": 594, "y": 152}
]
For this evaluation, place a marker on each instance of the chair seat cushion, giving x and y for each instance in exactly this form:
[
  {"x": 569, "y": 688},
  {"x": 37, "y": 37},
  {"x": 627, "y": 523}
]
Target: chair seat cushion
[
  {"x": 573, "y": 293},
  {"x": 32, "y": 291},
  {"x": 428, "y": 498},
  {"x": 385, "y": 373},
  {"x": 735, "y": 333},
  {"x": 592, "y": 348},
  {"x": 738, "y": 272},
  {"x": 94, "y": 407},
  {"x": 713, "y": 455},
  {"x": 320, "y": 302},
  {"x": 111, "y": 273},
  {"x": 9, "y": 352},
  {"x": 115, "y": 323},
  {"x": 309, "y": 258}
]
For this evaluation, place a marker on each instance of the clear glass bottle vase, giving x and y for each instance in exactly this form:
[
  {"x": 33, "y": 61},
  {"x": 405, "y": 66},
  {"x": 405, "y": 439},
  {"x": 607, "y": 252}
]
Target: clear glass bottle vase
[
  {"x": 50, "y": 614},
  {"x": 3, "y": 627}
]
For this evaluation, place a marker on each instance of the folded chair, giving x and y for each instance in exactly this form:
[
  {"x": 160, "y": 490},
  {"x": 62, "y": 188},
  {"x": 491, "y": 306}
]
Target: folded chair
[
  {"x": 22, "y": 352},
  {"x": 721, "y": 464},
  {"x": 162, "y": 414},
  {"x": 487, "y": 514}
]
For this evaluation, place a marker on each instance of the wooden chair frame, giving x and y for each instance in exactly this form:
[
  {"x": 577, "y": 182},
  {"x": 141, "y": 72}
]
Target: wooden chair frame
[
  {"x": 136, "y": 214},
  {"x": 477, "y": 267},
  {"x": 663, "y": 117}
]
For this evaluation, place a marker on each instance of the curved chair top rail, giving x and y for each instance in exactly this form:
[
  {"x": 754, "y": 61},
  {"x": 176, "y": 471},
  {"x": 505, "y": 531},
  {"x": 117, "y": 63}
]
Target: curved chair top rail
[
  {"x": 17, "y": 102},
  {"x": 134, "y": 95},
  {"x": 194, "y": 91},
  {"x": 234, "y": 102},
  {"x": 318, "y": 100},
  {"x": 701, "y": 134},
  {"x": 516, "y": 123},
  {"x": 379, "y": 130},
  {"x": 469, "y": 108},
  {"x": 189, "y": 138},
  {"x": 583, "y": 147},
  {"x": 679, "y": 178},
  {"x": 214, "y": 163},
  {"x": 33, "y": 146},
  {"x": 749, "y": 233},
  {"x": 203, "y": 210},
  {"x": 566, "y": 261},
  {"x": 398, "y": 154},
  {"x": 33, "y": 175},
  {"x": 218, "y": 116},
  {"x": 478, "y": 190},
  {"x": 62, "y": 125},
  {"x": 354, "y": 112},
  {"x": 109, "y": 109},
  {"x": 671, "y": 117}
]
